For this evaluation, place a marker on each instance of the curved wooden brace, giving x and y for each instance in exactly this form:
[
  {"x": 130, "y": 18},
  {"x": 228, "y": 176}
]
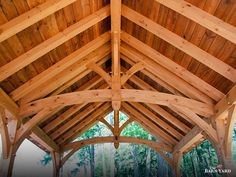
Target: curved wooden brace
[
  {"x": 93, "y": 66},
  {"x": 137, "y": 67},
  {"x": 199, "y": 122},
  {"x": 129, "y": 95},
  {"x": 102, "y": 120},
  {"x": 157, "y": 146},
  {"x": 129, "y": 121}
]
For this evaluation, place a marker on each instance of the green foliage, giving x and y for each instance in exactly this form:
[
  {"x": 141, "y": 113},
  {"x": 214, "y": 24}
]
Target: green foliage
[
  {"x": 133, "y": 160},
  {"x": 46, "y": 159}
]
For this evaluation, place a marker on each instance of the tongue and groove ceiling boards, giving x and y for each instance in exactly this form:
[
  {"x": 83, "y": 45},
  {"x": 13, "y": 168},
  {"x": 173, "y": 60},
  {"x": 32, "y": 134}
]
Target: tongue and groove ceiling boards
[{"x": 66, "y": 64}]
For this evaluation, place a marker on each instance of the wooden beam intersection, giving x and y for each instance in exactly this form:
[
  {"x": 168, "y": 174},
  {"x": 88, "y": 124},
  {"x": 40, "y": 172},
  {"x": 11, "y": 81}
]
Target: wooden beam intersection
[
  {"x": 173, "y": 80},
  {"x": 166, "y": 115},
  {"x": 38, "y": 135},
  {"x": 62, "y": 65},
  {"x": 173, "y": 67}
]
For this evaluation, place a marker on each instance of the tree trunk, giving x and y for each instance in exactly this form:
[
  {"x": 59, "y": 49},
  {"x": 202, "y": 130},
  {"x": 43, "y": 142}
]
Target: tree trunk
[
  {"x": 104, "y": 169},
  {"x": 200, "y": 165},
  {"x": 193, "y": 165},
  {"x": 148, "y": 162},
  {"x": 134, "y": 154},
  {"x": 85, "y": 170},
  {"x": 92, "y": 169},
  {"x": 112, "y": 161},
  {"x": 185, "y": 171}
]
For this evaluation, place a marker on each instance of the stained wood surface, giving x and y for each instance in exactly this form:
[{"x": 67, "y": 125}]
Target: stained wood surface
[{"x": 53, "y": 47}]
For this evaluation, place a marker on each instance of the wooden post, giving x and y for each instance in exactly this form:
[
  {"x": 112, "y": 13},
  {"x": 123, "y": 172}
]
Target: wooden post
[
  {"x": 56, "y": 160},
  {"x": 176, "y": 163},
  {"x": 115, "y": 38},
  {"x": 116, "y": 128},
  {"x": 224, "y": 128},
  {"x": 8, "y": 131},
  {"x": 6, "y": 165}
]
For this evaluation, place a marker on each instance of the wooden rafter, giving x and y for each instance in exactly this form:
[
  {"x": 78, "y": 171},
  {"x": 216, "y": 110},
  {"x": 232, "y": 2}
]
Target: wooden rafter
[
  {"x": 200, "y": 55},
  {"x": 61, "y": 66},
  {"x": 79, "y": 117},
  {"x": 75, "y": 70},
  {"x": 157, "y": 108},
  {"x": 54, "y": 123},
  {"x": 29, "y": 18},
  {"x": 203, "y": 18},
  {"x": 154, "y": 76},
  {"x": 85, "y": 124},
  {"x": 172, "y": 79},
  {"x": 115, "y": 42},
  {"x": 141, "y": 119},
  {"x": 158, "y": 121},
  {"x": 51, "y": 43},
  {"x": 173, "y": 67},
  {"x": 78, "y": 77}
]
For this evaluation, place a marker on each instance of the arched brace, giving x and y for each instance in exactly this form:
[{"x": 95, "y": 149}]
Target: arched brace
[
  {"x": 157, "y": 146},
  {"x": 134, "y": 69},
  {"x": 102, "y": 120},
  {"x": 124, "y": 125},
  {"x": 93, "y": 66}
]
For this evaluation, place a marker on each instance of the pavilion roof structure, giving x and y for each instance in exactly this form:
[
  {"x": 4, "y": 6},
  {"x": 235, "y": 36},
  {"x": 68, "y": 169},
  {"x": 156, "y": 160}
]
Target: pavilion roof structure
[{"x": 170, "y": 66}]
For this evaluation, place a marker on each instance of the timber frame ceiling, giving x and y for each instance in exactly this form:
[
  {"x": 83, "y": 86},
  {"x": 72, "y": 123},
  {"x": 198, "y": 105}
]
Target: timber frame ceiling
[{"x": 169, "y": 65}]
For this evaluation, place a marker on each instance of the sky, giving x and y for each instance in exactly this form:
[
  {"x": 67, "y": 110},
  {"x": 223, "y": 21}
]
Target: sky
[{"x": 27, "y": 162}]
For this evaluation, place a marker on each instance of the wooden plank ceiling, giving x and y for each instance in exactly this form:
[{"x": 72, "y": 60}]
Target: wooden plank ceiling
[{"x": 52, "y": 47}]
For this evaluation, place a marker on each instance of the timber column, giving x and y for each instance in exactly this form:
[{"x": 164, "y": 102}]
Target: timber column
[
  {"x": 56, "y": 160},
  {"x": 8, "y": 126},
  {"x": 176, "y": 163},
  {"x": 224, "y": 128}
]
